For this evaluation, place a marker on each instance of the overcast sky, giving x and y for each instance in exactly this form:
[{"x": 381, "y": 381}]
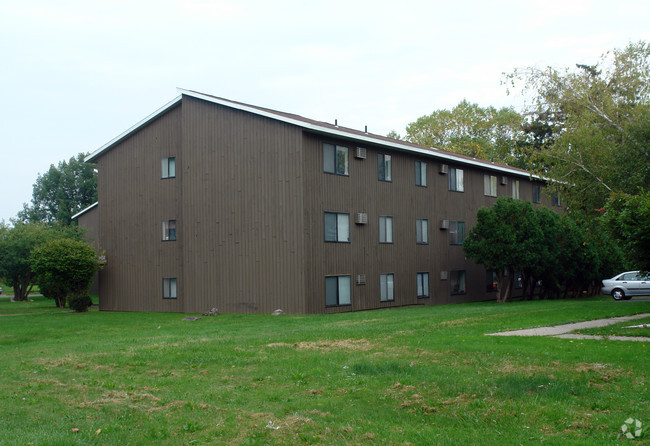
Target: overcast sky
[{"x": 75, "y": 74}]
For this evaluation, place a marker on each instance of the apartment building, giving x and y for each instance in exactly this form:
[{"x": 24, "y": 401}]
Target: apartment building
[{"x": 214, "y": 203}]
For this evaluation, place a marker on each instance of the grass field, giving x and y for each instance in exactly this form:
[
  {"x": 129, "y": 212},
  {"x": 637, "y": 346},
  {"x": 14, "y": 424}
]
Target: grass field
[{"x": 424, "y": 375}]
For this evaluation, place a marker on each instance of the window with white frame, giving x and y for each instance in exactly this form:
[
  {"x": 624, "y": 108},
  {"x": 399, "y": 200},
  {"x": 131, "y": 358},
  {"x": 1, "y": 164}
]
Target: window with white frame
[
  {"x": 456, "y": 182},
  {"x": 170, "y": 289},
  {"x": 337, "y": 227},
  {"x": 387, "y": 287},
  {"x": 169, "y": 230},
  {"x": 168, "y": 167},
  {"x": 385, "y": 229},
  {"x": 537, "y": 193},
  {"x": 338, "y": 290},
  {"x": 515, "y": 189},
  {"x": 420, "y": 173},
  {"x": 336, "y": 159},
  {"x": 422, "y": 231},
  {"x": 457, "y": 282},
  {"x": 384, "y": 167},
  {"x": 423, "y": 284},
  {"x": 555, "y": 200},
  {"x": 490, "y": 185},
  {"x": 457, "y": 232}
]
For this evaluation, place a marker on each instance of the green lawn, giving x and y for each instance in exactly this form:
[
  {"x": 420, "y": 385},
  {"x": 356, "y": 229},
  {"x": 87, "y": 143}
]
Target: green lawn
[{"x": 424, "y": 375}]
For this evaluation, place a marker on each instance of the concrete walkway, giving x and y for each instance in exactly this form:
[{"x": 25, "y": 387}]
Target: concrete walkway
[{"x": 562, "y": 331}]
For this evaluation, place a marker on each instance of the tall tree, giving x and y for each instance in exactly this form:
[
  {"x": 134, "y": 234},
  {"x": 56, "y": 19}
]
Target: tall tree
[
  {"x": 61, "y": 192},
  {"x": 506, "y": 238},
  {"x": 628, "y": 218},
  {"x": 468, "y": 129},
  {"x": 591, "y": 125}
]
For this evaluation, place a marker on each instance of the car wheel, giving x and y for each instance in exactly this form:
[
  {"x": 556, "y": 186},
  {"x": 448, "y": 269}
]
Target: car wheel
[{"x": 618, "y": 294}]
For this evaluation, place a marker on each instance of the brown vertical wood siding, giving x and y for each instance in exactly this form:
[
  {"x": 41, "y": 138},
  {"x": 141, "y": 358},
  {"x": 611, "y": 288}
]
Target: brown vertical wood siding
[
  {"x": 242, "y": 215},
  {"x": 133, "y": 202}
]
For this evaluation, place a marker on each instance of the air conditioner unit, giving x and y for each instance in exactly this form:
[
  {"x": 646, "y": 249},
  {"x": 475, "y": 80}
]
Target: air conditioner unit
[
  {"x": 444, "y": 224},
  {"x": 361, "y": 279},
  {"x": 504, "y": 180},
  {"x": 444, "y": 169},
  {"x": 361, "y": 218},
  {"x": 443, "y": 275},
  {"x": 360, "y": 153}
]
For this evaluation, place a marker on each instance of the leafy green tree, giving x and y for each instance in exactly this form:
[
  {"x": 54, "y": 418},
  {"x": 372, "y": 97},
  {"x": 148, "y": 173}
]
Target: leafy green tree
[
  {"x": 16, "y": 245},
  {"x": 591, "y": 125},
  {"x": 505, "y": 239},
  {"x": 628, "y": 219},
  {"x": 64, "y": 268},
  {"x": 62, "y": 192},
  {"x": 468, "y": 129}
]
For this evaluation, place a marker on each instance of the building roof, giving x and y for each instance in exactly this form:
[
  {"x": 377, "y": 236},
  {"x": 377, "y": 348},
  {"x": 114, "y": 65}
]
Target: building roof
[
  {"x": 324, "y": 128},
  {"x": 92, "y": 206}
]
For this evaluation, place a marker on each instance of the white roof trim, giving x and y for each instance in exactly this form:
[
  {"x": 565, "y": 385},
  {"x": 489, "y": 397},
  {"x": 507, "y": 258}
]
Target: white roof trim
[
  {"x": 343, "y": 134},
  {"x": 132, "y": 129},
  {"x": 85, "y": 210}
]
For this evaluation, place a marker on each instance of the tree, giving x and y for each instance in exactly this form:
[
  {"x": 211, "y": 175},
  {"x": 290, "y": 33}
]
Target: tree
[
  {"x": 64, "y": 268},
  {"x": 628, "y": 219},
  {"x": 62, "y": 192},
  {"x": 591, "y": 125},
  {"x": 468, "y": 129},
  {"x": 505, "y": 239},
  {"x": 16, "y": 245}
]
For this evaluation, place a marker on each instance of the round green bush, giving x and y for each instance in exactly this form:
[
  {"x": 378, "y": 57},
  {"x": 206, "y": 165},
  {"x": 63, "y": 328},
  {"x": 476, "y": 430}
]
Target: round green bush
[{"x": 80, "y": 303}]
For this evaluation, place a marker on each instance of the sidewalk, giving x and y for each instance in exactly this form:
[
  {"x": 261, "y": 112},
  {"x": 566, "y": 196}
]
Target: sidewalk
[{"x": 562, "y": 331}]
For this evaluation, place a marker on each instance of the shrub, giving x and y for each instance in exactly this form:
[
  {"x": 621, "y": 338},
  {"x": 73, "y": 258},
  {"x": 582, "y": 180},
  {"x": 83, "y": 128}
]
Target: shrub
[
  {"x": 63, "y": 268},
  {"x": 80, "y": 302}
]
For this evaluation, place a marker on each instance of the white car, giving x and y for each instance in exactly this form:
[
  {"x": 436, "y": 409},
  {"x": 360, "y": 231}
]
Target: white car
[{"x": 626, "y": 285}]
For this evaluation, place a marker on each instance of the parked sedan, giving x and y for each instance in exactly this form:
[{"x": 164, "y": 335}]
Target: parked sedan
[{"x": 626, "y": 285}]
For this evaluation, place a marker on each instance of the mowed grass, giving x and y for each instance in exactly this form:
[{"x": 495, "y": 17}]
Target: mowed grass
[{"x": 421, "y": 375}]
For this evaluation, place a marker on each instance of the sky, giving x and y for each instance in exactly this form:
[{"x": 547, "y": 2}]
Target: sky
[{"x": 75, "y": 74}]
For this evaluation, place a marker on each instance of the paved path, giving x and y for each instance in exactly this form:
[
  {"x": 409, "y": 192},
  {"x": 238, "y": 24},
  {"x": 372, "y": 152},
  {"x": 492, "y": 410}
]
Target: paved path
[{"x": 562, "y": 331}]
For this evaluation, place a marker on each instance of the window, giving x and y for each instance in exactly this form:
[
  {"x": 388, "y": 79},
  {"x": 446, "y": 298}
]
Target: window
[
  {"x": 387, "y": 287},
  {"x": 169, "y": 230},
  {"x": 337, "y": 227},
  {"x": 457, "y": 232},
  {"x": 491, "y": 281},
  {"x": 555, "y": 200},
  {"x": 169, "y": 288},
  {"x": 337, "y": 291},
  {"x": 519, "y": 280},
  {"x": 422, "y": 231},
  {"x": 168, "y": 167},
  {"x": 421, "y": 173},
  {"x": 456, "y": 179},
  {"x": 490, "y": 185},
  {"x": 384, "y": 167},
  {"x": 423, "y": 285},
  {"x": 537, "y": 193},
  {"x": 335, "y": 159},
  {"x": 385, "y": 229},
  {"x": 515, "y": 189},
  {"x": 457, "y": 282}
]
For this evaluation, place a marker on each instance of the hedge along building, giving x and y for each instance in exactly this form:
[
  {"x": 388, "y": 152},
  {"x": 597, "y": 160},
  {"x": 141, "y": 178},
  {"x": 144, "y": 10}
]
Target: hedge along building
[{"x": 214, "y": 203}]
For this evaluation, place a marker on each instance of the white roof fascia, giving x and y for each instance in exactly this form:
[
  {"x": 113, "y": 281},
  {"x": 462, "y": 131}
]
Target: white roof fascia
[
  {"x": 85, "y": 210},
  {"x": 347, "y": 135},
  {"x": 145, "y": 121}
]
